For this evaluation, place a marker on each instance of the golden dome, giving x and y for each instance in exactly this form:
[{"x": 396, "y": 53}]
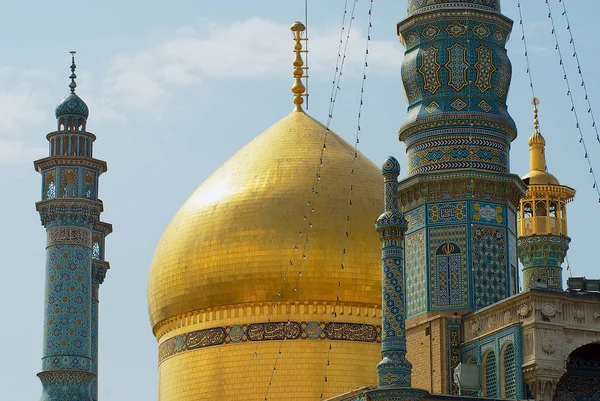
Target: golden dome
[{"x": 232, "y": 241}]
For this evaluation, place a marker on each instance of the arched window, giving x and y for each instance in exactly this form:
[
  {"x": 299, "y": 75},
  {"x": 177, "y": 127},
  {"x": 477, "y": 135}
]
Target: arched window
[
  {"x": 449, "y": 278},
  {"x": 490, "y": 383},
  {"x": 509, "y": 371}
]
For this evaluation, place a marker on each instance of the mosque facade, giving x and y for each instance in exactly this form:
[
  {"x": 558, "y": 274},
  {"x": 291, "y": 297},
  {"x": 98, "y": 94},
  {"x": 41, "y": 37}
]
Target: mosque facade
[{"x": 277, "y": 280}]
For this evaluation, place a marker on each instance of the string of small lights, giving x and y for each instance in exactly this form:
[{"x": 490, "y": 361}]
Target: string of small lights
[
  {"x": 346, "y": 233},
  {"x": 340, "y": 62},
  {"x": 571, "y": 99},
  {"x": 576, "y": 56},
  {"x": 524, "y": 40}
]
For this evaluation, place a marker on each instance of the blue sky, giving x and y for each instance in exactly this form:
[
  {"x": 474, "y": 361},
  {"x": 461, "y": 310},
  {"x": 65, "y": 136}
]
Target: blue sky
[{"x": 175, "y": 90}]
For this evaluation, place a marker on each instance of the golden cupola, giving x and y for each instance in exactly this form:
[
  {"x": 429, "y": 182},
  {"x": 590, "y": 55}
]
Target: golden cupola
[
  {"x": 542, "y": 221},
  {"x": 267, "y": 280}
]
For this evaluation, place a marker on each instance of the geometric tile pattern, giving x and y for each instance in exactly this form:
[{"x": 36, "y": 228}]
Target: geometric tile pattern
[
  {"x": 451, "y": 212},
  {"x": 454, "y": 343},
  {"x": 429, "y": 69},
  {"x": 457, "y": 66},
  {"x": 70, "y": 313},
  {"x": 415, "y": 219},
  {"x": 415, "y": 268},
  {"x": 489, "y": 265},
  {"x": 509, "y": 372},
  {"x": 449, "y": 276},
  {"x": 490, "y": 382},
  {"x": 394, "y": 369},
  {"x": 508, "y": 339},
  {"x": 485, "y": 68}
]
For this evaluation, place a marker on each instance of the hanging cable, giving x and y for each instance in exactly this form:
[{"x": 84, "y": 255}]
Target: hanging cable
[
  {"x": 346, "y": 233},
  {"x": 570, "y": 95},
  {"x": 340, "y": 62},
  {"x": 576, "y": 55},
  {"x": 524, "y": 40}
]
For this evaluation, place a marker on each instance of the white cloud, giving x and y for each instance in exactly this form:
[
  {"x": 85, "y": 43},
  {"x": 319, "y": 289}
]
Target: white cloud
[
  {"x": 20, "y": 106},
  {"x": 250, "y": 48},
  {"x": 23, "y": 105},
  {"x": 17, "y": 152}
]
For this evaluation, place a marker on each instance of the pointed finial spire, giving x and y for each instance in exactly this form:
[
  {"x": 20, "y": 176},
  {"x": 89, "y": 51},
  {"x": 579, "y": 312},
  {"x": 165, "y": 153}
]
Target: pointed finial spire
[
  {"x": 298, "y": 88},
  {"x": 536, "y": 138},
  {"x": 73, "y": 85}
]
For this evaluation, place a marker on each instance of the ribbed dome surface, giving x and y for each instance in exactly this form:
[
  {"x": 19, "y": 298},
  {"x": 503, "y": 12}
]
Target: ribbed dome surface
[
  {"x": 72, "y": 105},
  {"x": 231, "y": 242}
]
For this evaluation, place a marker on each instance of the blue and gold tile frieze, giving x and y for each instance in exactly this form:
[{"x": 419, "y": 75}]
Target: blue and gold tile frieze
[
  {"x": 462, "y": 156},
  {"x": 235, "y": 334},
  {"x": 451, "y": 212},
  {"x": 488, "y": 213}
]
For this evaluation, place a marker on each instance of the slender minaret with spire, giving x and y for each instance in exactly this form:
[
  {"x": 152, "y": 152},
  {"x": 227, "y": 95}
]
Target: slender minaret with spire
[
  {"x": 394, "y": 370},
  {"x": 70, "y": 211},
  {"x": 542, "y": 221}
]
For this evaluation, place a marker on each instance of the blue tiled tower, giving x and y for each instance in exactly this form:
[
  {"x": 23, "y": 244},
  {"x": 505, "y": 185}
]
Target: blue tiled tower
[
  {"x": 75, "y": 267},
  {"x": 460, "y": 199}
]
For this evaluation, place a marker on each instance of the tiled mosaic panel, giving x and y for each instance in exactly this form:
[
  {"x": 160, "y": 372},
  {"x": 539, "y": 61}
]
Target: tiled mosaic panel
[
  {"x": 468, "y": 152},
  {"x": 509, "y": 372},
  {"x": 488, "y": 213},
  {"x": 94, "y": 343},
  {"x": 67, "y": 321},
  {"x": 416, "y": 273},
  {"x": 415, "y": 219},
  {"x": 448, "y": 279},
  {"x": 512, "y": 221},
  {"x": 498, "y": 343},
  {"x": 450, "y": 212},
  {"x": 444, "y": 67},
  {"x": 443, "y": 77},
  {"x": 489, "y": 265},
  {"x": 65, "y": 385},
  {"x": 514, "y": 263},
  {"x": 392, "y": 313},
  {"x": 454, "y": 343},
  {"x": 415, "y": 5},
  {"x": 490, "y": 375}
]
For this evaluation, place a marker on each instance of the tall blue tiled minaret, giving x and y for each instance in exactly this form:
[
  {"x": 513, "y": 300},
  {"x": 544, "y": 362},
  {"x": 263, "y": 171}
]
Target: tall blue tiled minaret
[
  {"x": 460, "y": 199},
  {"x": 75, "y": 267}
]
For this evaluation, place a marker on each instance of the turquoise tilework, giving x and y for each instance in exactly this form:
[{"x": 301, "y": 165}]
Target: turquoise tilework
[
  {"x": 489, "y": 265},
  {"x": 449, "y": 276},
  {"x": 488, "y": 213},
  {"x": 450, "y": 212},
  {"x": 416, "y": 278}
]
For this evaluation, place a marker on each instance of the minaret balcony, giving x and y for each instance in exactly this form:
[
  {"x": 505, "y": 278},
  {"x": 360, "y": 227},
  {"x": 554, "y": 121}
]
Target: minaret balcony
[{"x": 542, "y": 225}]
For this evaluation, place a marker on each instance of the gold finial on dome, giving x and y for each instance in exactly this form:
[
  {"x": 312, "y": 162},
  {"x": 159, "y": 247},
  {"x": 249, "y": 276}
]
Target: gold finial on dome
[
  {"x": 536, "y": 138},
  {"x": 538, "y": 173},
  {"x": 298, "y": 88}
]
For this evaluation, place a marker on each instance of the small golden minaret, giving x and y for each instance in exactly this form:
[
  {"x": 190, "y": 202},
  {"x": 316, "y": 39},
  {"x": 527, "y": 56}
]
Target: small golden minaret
[
  {"x": 542, "y": 221},
  {"x": 299, "y": 70}
]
